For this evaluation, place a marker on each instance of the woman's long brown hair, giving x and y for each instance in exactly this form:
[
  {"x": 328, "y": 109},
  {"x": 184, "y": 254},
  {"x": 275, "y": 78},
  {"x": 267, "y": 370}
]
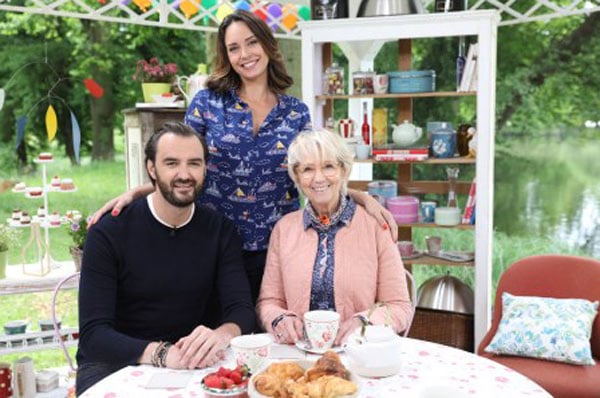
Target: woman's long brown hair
[{"x": 224, "y": 78}]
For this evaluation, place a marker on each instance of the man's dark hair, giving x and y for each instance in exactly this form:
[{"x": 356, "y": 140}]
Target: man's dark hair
[{"x": 176, "y": 128}]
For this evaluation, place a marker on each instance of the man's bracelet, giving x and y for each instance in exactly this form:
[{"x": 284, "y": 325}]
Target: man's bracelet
[
  {"x": 279, "y": 319},
  {"x": 159, "y": 354}
]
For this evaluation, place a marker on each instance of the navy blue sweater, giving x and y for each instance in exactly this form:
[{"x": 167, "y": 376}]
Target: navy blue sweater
[{"x": 142, "y": 281}]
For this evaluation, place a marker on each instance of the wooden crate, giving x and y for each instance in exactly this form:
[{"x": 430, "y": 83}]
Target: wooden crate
[{"x": 449, "y": 328}]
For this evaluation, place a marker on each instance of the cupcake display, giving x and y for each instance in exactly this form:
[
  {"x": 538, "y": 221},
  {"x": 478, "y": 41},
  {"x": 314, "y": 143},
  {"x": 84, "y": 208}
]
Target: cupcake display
[
  {"x": 54, "y": 219},
  {"x": 45, "y": 156},
  {"x": 25, "y": 218},
  {"x": 55, "y": 182},
  {"x": 66, "y": 184}
]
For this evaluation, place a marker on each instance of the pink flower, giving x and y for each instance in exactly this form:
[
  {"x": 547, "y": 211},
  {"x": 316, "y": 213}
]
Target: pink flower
[{"x": 153, "y": 71}]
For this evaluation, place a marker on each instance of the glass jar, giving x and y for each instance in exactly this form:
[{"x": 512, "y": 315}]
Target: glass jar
[
  {"x": 363, "y": 82},
  {"x": 452, "y": 173},
  {"x": 333, "y": 80}
]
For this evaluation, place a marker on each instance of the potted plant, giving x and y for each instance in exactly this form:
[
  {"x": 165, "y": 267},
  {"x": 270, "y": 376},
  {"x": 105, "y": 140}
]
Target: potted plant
[
  {"x": 156, "y": 77},
  {"x": 9, "y": 237},
  {"x": 77, "y": 229}
]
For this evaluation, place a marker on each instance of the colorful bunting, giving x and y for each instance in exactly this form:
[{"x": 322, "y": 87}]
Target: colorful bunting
[
  {"x": 223, "y": 11},
  {"x": 21, "y": 123},
  {"x": 189, "y": 8},
  {"x": 51, "y": 123},
  {"x": 242, "y": 5},
  {"x": 274, "y": 10},
  {"x": 76, "y": 136},
  {"x": 259, "y": 11},
  {"x": 143, "y": 4},
  {"x": 94, "y": 88},
  {"x": 304, "y": 12},
  {"x": 290, "y": 19}
]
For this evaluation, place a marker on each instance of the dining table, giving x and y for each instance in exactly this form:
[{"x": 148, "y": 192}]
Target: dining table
[{"x": 428, "y": 370}]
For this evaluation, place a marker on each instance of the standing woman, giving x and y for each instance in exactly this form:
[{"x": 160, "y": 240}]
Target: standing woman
[{"x": 249, "y": 122}]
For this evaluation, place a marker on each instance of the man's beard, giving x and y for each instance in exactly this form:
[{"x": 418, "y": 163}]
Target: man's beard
[{"x": 168, "y": 191}]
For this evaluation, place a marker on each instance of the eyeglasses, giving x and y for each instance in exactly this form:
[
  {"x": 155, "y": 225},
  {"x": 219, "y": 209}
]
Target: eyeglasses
[{"x": 328, "y": 169}]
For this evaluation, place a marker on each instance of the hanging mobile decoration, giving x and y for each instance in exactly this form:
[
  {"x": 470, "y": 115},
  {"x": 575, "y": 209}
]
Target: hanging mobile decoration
[
  {"x": 21, "y": 123},
  {"x": 76, "y": 136},
  {"x": 51, "y": 123},
  {"x": 94, "y": 88}
]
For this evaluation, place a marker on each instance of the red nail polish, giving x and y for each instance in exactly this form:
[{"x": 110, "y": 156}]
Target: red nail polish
[{"x": 115, "y": 213}]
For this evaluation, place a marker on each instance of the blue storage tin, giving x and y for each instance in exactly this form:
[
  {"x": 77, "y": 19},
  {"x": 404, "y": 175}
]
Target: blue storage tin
[{"x": 412, "y": 81}]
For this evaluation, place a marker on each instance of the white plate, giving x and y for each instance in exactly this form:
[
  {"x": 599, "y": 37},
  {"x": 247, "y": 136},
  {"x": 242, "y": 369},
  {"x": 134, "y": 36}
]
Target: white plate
[
  {"x": 67, "y": 190},
  {"x": 454, "y": 256},
  {"x": 303, "y": 345},
  {"x": 252, "y": 393},
  {"x": 19, "y": 190},
  {"x": 176, "y": 104}
]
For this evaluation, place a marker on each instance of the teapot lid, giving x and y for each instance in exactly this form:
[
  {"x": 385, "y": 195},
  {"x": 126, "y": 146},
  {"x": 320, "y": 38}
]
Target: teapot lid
[{"x": 378, "y": 333}]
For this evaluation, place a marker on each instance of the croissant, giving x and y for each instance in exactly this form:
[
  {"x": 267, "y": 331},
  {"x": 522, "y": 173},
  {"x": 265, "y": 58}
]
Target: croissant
[
  {"x": 329, "y": 364},
  {"x": 270, "y": 385},
  {"x": 286, "y": 370},
  {"x": 330, "y": 387}
]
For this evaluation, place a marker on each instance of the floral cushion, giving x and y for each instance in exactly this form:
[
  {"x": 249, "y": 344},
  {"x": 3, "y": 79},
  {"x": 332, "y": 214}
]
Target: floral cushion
[{"x": 545, "y": 328}]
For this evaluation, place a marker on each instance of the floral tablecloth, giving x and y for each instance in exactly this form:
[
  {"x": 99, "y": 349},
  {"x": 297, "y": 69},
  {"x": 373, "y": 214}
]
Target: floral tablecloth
[{"x": 429, "y": 370}]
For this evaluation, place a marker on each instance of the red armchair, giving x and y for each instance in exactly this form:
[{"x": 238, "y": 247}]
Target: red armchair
[{"x": 555, "y": 276}]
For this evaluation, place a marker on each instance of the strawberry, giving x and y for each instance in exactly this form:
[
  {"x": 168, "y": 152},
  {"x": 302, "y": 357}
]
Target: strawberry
[
  {"x": 236, "y": 376},
  {"x": 243, "y": 369},
  {"x": 166, "y": 94},
  {"x": 223, "y": 372},
  {"x": 213, "y": 381},
  {"x": 226, "y": 383}
]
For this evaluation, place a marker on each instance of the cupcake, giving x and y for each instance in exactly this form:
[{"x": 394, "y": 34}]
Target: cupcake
[
  {"x": 16, "y": 215},
  {"x": 45, "y": 156},
  {"x": 41, "y": 212},
  {"x": 55, "y": 181},
  {"x": 25, "y": 218},
  {"x": 54, "y": 219}
]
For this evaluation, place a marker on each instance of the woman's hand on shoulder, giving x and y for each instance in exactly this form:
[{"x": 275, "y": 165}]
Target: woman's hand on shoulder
[
  {"x": 383, "y": 216},
  {"x": 117, "y": 204}
]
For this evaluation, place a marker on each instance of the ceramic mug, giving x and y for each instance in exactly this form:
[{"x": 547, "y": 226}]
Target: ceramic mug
[
  {"x": 5, "y": 380},
  {"x": 251, "y": 350},
  {"x": 406, "y": 248},
  {"x": 24, "y": 378},
  {"x": 380, "y": 84},
  {"x": 434, "y": 244},
  {"x": 362, "y": 151},
  {"x": 321, "y": 328},
  {"x": 428, "y": 211},
  {"x": 346, "y": 128}
]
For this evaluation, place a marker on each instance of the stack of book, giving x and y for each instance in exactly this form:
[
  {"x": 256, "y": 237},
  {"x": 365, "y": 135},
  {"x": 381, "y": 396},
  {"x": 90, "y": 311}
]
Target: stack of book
[{"x": 400, "y": 155}]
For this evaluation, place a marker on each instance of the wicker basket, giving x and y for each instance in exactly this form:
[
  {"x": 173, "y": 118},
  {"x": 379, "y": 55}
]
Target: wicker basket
[{"x": 449, "y": 328}]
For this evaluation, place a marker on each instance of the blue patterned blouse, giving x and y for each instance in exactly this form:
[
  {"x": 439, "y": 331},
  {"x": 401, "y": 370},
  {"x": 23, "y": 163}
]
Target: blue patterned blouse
[
  {"x": 247, "y": 178},
  {"x": 321, "y": 294}
]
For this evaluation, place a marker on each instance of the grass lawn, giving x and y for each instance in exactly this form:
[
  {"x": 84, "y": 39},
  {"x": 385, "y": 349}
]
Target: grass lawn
[{"x": 96, "y": 183}]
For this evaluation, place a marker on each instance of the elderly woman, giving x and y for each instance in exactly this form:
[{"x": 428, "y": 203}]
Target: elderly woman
[{"x": 331, "y": 254}]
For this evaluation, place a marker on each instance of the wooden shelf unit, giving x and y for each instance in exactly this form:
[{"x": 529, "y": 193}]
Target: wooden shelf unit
[{"x": 360, "y": 39}]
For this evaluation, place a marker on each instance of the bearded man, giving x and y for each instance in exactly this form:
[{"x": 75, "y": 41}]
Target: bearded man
[{"x": 148, "y": 275}]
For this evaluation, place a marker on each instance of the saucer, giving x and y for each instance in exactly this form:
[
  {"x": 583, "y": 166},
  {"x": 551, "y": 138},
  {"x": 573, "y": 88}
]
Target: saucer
[
  {"x": 416, "y": 254},
  {"x": 303, "y": 345}
]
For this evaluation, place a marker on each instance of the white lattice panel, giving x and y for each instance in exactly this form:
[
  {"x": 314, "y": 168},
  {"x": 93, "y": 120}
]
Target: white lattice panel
[{"x": 282, "y": 16}]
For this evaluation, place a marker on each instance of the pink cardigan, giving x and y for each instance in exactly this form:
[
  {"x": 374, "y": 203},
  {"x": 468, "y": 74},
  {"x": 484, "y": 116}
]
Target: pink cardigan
[{"x": 368, "y": 269}]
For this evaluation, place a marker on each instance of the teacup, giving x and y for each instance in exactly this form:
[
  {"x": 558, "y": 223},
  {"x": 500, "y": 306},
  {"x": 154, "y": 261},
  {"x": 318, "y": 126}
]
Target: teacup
[
  {"x": 321, "y": 328},
  {"x": 434, "y": 244},
  {"x": 251, "y": 350},
  {"x": 406, "y": 248}
]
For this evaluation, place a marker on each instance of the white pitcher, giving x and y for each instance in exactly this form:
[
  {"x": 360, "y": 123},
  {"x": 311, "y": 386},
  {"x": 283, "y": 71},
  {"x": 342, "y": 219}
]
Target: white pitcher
[{"x": 194, "y": 83}]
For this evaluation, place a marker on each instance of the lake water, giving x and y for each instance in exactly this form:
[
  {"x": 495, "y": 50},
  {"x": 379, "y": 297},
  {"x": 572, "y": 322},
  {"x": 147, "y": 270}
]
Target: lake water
[{"x": 550, "y": 189}]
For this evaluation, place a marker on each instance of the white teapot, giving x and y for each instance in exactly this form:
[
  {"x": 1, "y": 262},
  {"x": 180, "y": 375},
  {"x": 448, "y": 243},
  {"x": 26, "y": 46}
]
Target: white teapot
[
  {"x": 406, "y": 133},
  {"x": 377, "y": 353}
]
